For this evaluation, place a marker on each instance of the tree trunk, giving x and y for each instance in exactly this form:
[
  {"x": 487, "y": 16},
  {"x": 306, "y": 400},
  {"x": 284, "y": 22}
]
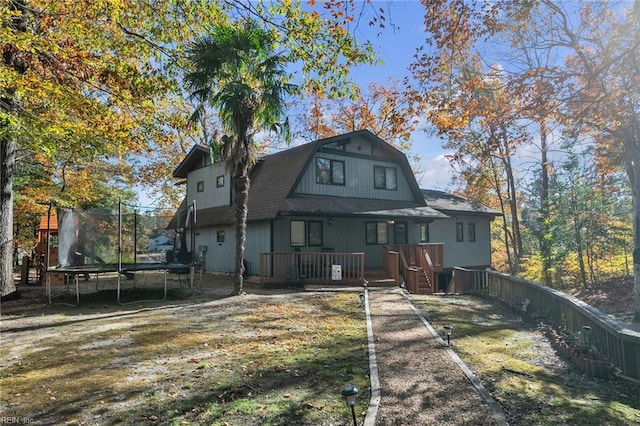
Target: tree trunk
[
  {"x": 8, "y": 155},
  {"x": 241, "y": 200},
  {"x": 545, "y": 246},
  {"x": 7, "y": 160}
]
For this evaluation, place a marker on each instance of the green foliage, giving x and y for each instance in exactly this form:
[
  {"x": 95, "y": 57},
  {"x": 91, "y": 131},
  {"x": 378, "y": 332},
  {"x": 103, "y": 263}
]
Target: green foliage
[{"x": 99, "y": 100}]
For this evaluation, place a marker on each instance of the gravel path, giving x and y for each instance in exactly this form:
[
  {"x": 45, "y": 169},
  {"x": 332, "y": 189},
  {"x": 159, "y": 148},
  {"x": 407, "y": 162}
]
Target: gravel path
[{"x": 420, "y": 383}]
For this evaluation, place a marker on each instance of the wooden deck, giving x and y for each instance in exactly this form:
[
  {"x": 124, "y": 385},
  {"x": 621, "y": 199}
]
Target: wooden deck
[{"x": 414, "y": 264}]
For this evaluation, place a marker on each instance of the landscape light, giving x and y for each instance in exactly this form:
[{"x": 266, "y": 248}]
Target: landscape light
[
  {"x": 350, "y": 392},
  {"x": 586, "y": 334},
  {"x": 447, "y": 330}
]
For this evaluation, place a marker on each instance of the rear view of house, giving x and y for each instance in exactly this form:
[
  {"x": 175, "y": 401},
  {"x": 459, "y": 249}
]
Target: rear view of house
[{"x": 350, "y": 201}]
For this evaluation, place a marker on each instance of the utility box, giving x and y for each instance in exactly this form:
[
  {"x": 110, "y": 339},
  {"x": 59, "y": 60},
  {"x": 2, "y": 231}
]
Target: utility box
[{"x": 336, "y": 272}]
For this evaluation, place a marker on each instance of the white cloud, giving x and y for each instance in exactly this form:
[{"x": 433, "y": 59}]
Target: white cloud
[{"x": 435, "y": 173}]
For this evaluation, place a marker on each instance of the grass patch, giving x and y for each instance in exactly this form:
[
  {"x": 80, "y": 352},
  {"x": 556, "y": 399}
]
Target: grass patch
[
  {"x": 523, "y": 374},
  {"x": 252, "y": 360}
]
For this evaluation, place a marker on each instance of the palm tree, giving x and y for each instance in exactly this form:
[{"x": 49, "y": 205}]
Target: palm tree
[{"x": 235, "y": 70}]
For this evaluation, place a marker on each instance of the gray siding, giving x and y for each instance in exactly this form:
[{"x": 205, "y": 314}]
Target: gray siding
[
  {"x": 344, "y": 235},
  {"x": 212, "y": 195},
  {"x": 464, "y": 253},
  {"x": 358, "y": 180},
  {"x": 258, "y": 241},
  {"x": 221, "y": 256}
]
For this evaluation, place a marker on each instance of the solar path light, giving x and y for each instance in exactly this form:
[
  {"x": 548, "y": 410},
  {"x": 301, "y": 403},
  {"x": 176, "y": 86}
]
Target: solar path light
[
  {"x": 350, "y": 392},
  {"x": 447, "y": 330},
  {"x": 586, "y": 335}
]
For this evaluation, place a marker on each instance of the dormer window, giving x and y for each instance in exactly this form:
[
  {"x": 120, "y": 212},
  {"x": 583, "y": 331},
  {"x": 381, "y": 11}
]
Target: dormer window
[
  {"x": 329, "y": 171},
  {"x": 385, "y": 177}
]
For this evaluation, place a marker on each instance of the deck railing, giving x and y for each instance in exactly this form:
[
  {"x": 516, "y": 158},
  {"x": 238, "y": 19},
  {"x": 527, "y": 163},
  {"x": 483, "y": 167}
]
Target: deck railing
[
  {"x": 428, "y": 256},
  {"x": 314, "y": 267},
  {"x": 619, "y": 344}
]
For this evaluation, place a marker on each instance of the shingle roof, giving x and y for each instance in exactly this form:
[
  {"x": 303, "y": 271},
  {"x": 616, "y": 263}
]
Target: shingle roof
[
  {"x": 193, "y": 157},
  {"x": 449, "y": 203},
  {"x": 275, "y": 176},
  {"x": 323, "y": 205}
]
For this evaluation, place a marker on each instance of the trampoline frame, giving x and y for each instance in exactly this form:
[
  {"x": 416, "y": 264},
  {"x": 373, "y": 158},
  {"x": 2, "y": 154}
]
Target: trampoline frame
[{"x": 121, "y": 268}]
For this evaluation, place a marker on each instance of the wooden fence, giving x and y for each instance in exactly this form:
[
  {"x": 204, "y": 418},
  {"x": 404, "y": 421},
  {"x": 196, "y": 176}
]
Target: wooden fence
[{"x": 619, "y": 344}]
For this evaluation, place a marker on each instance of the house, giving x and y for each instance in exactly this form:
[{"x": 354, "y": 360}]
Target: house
[
  {"x": 467, "y": 230},
  {"x": 160, "y": 243},
  {"x": 348, "y": 204}
]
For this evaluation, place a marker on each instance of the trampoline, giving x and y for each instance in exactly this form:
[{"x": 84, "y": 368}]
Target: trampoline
[{"x": 124, "y": 242}]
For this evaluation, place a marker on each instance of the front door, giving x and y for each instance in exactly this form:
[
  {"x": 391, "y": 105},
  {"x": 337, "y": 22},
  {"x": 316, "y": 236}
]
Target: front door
[{"x": 400, "y": 232}]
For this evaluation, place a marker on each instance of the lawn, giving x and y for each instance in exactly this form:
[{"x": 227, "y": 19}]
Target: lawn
[
  {"x": 516, "y": 363},
  {"x": 247, "y": 360},
  {"x": 271, "y": 357}
]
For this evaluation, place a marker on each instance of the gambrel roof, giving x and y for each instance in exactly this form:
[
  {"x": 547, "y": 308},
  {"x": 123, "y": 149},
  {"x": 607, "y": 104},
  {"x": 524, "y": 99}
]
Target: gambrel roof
[{"x": 275, "y": 177}]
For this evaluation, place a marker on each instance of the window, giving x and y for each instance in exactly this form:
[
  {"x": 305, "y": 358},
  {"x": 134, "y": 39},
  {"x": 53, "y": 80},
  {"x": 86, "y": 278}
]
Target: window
[
  {"x": 297, "y": 233},
  {"x": 424, "y": 232},
  {"x": 472, "y": 232},
  {"x": 220, "y": 236},
  {"x": 376, "y": 233},
  {"x": 220, "y": 181},
  {"x": 459, "y": 232},
  {"x": 400, "y": 231},
  {"x": 200, "y": 186},
  {"x": 329, "y": 172},
  {"x": 385, "y": 178},
  {"x": 315, "y": 233},
  {"x": 206, "y": 160}
]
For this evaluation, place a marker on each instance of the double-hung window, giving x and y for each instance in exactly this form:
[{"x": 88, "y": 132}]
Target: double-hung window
[
  {"x": 424, "y": 232},
  {"x": 385, "y": 177},
  {"x": 329, "y": 171},
  {"x": 459, "y": 232},
  {"x": 377, "y": 232}
]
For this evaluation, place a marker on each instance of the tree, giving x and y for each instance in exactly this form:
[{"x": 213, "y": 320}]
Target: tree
[
  {"x": 600, "y": 92},
  {"x": 474, "y": 113},
  {"x": 9, "y": 103},
  {"x": 387, "y": 112},
  {"x": 236, "y": 71},
  {"x": 75, "y": 90},
  {"x": 591, "y": 87}
]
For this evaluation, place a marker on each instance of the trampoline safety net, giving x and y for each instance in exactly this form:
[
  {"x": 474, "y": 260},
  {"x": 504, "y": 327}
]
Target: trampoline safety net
[{"x": 130, "y": 235}]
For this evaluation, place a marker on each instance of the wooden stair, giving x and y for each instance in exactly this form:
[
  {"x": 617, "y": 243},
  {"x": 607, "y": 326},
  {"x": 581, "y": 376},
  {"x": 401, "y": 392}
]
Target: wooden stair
[{"x": 424, "y": 286}]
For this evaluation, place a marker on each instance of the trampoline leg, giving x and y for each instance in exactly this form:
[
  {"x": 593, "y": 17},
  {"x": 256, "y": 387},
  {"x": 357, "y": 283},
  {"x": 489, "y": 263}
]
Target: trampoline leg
[
  {"x": 165, "y": 286},
  {"x": 118, "y": 292},
  {"x": 77, "y": 290}
]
